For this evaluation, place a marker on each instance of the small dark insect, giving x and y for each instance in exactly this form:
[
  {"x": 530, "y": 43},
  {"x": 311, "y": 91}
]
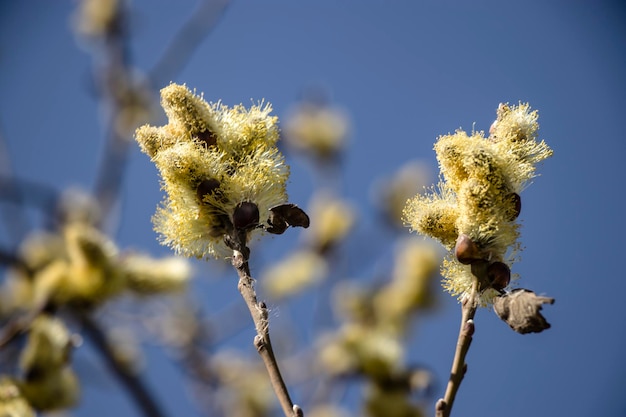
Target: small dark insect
[{"x": 285, "y": 215}]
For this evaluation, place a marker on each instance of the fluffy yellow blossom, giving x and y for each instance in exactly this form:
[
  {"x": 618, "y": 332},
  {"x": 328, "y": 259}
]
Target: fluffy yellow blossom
[
  {"x": 474, "y": 209},
  {"x": 434, "y": 214},
  {"x": 220, "y": 168}
]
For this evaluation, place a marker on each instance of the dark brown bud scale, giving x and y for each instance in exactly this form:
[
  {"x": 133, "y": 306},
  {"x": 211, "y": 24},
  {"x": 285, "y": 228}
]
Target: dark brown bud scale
[
  {"x": 521, "y": 310},
  {"x": 499, "y": 275},
  {"x": 207, "y": 137},
  {"x": 285, "y": 215},
  {"x": 246, "y": 215},
  {"x": 466, "y": 251},
  {"x": 206, "y": 187}
]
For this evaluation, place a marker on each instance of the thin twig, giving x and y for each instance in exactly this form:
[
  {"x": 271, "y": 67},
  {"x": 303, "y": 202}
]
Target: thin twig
[
  {"x": 112, "y": 78},
  {"x": 459, "y": 367},
  {"x": 15, "y": 221},
  {"x": 258, "y": 311},
  {"x": 139, "y": 392},
  {"x": 188, "y": 37}
]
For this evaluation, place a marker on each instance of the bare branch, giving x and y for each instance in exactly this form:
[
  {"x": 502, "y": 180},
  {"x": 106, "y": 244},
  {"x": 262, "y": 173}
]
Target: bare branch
[
  {"x": 139, "y": 392},
  {"x": 185, "y": 41},
  {"x": 258, "y": 311},
  {"x": 459, "y": 367}
]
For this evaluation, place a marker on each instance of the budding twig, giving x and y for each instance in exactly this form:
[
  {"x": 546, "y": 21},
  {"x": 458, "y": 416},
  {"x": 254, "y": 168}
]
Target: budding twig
[
  {"x": 459, "y": 367},
  {"x": 259, "y": 313}
]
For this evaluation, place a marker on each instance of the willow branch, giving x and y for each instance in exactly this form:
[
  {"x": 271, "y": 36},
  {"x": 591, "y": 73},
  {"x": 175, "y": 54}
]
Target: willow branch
[
  {"x": 259, "y": 313},
  {"x": 113, "y": 79},
  {"x": 184, "y": 43},
  {"x": 459, "y": 367},
  {"x": 144, "y": 400}
]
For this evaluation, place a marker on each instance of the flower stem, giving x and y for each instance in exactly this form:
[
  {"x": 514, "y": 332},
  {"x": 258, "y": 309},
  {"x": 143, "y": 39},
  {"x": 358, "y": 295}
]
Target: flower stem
[
  {"x": 258, "y": 311},
  {"x": 469, "y": 305}
]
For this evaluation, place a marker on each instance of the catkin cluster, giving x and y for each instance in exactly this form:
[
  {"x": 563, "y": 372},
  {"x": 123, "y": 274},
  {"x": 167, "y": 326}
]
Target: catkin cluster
[
  {"x": 220, "y": 168},
  {"x": 473, "y": 211}
]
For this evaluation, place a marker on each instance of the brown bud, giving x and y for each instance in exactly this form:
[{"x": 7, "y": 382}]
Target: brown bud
[
  {"x": 246, "y": 215},
  {"x": 466, "y": 251},
  {"x": 499, "y": 275},
  {"x": 207, "y": 186},
  {"x": 520, "y": 309},
  {"x": 207, "y": 137}
]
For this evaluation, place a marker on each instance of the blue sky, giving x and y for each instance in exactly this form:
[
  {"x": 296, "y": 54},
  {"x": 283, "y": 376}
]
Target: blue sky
[{"x": 406, "y": 72}]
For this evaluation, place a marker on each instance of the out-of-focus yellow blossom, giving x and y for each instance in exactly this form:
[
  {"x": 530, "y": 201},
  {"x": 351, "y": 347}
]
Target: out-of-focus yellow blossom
[
  {"x": 135, "y": 104},
  {"x": 317, "y": 129},
  {"x": 220, "y": 167},
  {"x": 12, "y": 401},
  {"x": 49, "y": 383},
  {"x": 478, "y": 197},
  {"x": 48, "y": 346},
  {"x": 79, "y": 265},
  {"x": 125, "y": 347},
  {"x": 245, "y": 389},
  {"x": 295, "y": 273},
  {"x": 370, "y": 342},
  {"x": 74, "y": 266},
  {"x": 95, "y": 18},
  {"x": 53, "y": 390},
  {"x": 144, "y": 274},
  {"x": 414, "y": 268},
  {"x": 353, "y": 303},
  {"x": 391, "y": 194},
  {"x": 334, "y": 219},
  {"x": 383, "y": 401},
  {"x": 326, "y": 410},
  {"x": 362, "y": 349}
]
